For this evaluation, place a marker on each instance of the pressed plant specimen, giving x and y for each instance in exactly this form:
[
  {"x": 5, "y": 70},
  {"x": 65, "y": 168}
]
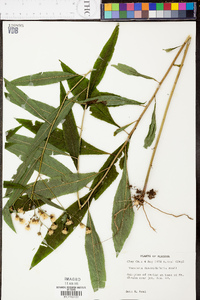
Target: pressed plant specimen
[{"x": 28, "y": 191}]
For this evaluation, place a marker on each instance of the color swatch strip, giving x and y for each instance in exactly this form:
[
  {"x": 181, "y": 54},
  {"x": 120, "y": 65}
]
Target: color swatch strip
[{"x": 183, "y": 10}]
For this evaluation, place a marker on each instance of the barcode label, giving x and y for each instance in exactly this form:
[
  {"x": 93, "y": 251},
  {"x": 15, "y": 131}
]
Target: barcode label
[{"x": 71, "y": 293}]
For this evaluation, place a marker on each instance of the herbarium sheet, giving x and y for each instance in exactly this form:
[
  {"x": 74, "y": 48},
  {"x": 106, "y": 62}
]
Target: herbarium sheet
[{"x": 99, "y": 160}]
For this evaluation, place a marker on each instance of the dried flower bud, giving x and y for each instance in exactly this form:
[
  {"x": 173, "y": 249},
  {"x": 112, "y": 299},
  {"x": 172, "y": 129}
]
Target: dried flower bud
[
  {"x": 20, "y": 210},
  {"x": 50, "y": 232},
  {"x": 82, "y": 225},
  {"x": 28, "y": 227},
  {"x": 34, "y": 221},
  {"x": 53, "y": 218},
  {"x": 21, "y": 220},
  {"x": 44, "y": 216},
  {"x": 88, "y": 230},
  {"x": 40, "y": 212},
  {"x": 17, "y": 217},
  {"x": 39, "y": 233},
  {"x": 54, "y": 226},
  {"x": 69, "y": 222},
  {"x": 64, "y": 231}
]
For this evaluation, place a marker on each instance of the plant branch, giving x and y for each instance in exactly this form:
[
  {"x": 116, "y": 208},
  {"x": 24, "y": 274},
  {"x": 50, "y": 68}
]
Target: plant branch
[
  {"x": 165, "y": 114},
  {"x": 138, "y": 120}
]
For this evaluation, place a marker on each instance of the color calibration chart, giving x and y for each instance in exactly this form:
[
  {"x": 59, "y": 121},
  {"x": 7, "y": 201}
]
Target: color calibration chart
[{"x": 115, "y": 11}]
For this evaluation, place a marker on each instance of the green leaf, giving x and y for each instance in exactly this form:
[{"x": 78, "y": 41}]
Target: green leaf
[
  {"x": 130, "y": 71},
  {"x": 110, "y": 177},
  {"x": 49, "y": 202},
  {"x": 170, "y": 49},
  {"x": 152, "y": 130},
  {"x": 59, "y": 186},
  {"x": 54, "y": 241},
  {"x": 95, "y": 257},
  {"x": 88, "y": 149},
  {"x": 10, "y": 184},
  {"x": 110, "y": 100},
  {"x": 36, "y": 108},
  {"x": 122, "y": 128},
  {"x": 11, "y": 132},
  {"x": 27, "y": 204},
  {"x": 101, "y": 112},
  {"x": 57, "y": 140},
  {"x": 25, "y": 170},
  {"x": 102, "y": 61},
  {"x": 50, "y": 167},
  {"x": 70, "y": 132},
  {"x": 81, "y": 89},
  {"x": 42, "y": 78},
  {"x": 123, "y": 214}
]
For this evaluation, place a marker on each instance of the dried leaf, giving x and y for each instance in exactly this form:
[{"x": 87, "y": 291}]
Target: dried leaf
[
  {"x": 36, "y": 108},
  {"x": 110, "y": 177},
  {"x": 57, "y": 140},
  {"x": 42, "y": 78},
  {"x": 95, "y": 257},
  {"x": 110, "y": 100},
  {"x": 88, "y": 149},
  {"x": 70, "y": 132},
  {"x": 102, "y": 61},
  {"x": 81, "y": 88},
  {"x": 59, "y": 186},
  {"x": 25, "y": 170},
  {"x": 11, "y": 132},
  {"x": 101, "y": 112},
  {"x": 123, "y": 214},
  {"x": 152, "y": 130},
  {"x": 171, "y": 49},
  {"x": 10, "y": 184},
  {"x": 130, "y": 71},
  {"x": 122, "y": 128}
]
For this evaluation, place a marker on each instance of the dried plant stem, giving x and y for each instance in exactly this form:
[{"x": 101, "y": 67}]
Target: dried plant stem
[
  {"x": 139, "y": 119},
  {"x": 164, "y": 116}
]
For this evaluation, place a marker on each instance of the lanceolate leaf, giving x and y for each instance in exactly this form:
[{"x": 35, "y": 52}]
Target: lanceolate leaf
[
  {"x": 88, "y": 149},
  {"x": 70, "y": 132},
  {"x": 152, "y": 130},
  {"x": 123, "y": 214},
  {"x": 27, "y": 204},
  {"x": 59, "y": 186},
  {"x": 130, "y": 71},
  {"x": 42, "y": 78},
  {"x": 110, "y": 100},
  {"x": 81, "y": 88},
  {"x": 26, "y": 169},
  {"x": 75, "y": 213},
  {"x": 170, "y": 49},
  {"x": 101, "y": 112},
  {"x": 122, "y": 128},
  {"x": 11, "y": 132},
  {"x": 37, "y": 108},
  {"x": 95, "y": 256},
  {"x": 10, "y": 184},
  {"x": 57, "y": 140},
  {"x": 102, "y": 61},
  {"x": 50, "y": 166},
  {"x": 55, "y": 240},
  {"x": 110, "y": 177}
]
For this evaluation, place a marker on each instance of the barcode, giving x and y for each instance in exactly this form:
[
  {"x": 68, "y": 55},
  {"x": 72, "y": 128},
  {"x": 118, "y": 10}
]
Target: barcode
[{"x": 71, "y": 293}]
